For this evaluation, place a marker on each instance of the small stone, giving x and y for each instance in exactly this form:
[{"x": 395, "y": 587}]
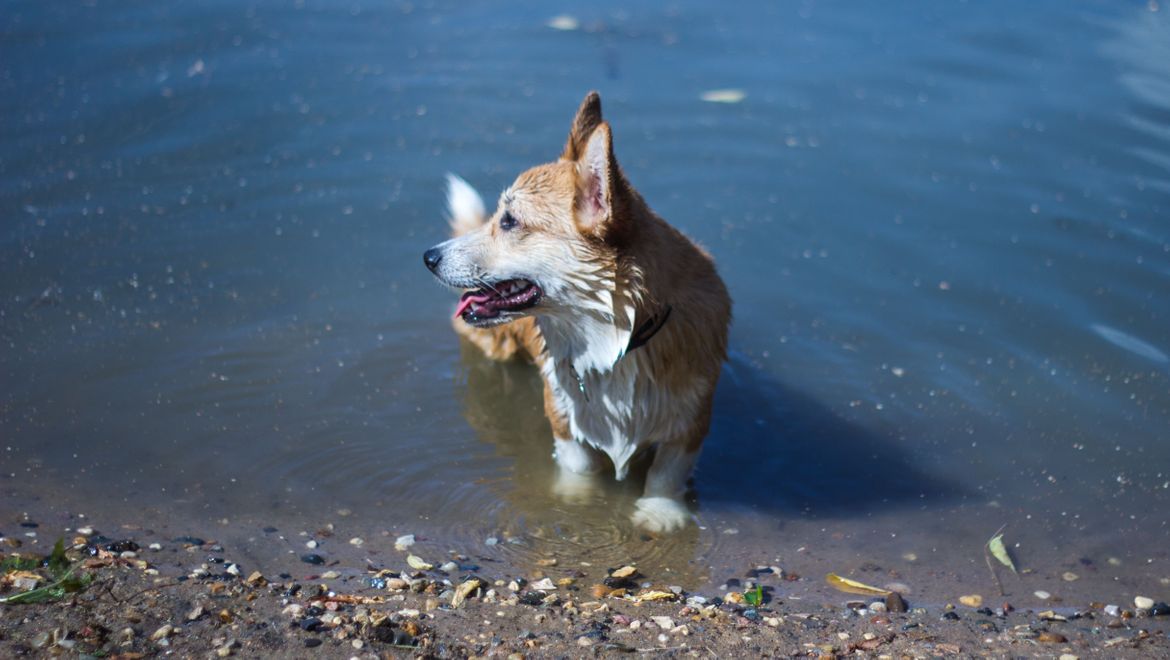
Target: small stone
[
  {"x": 624, "y": 572},
  {"x": 1069, "y": 576},
  {"x": 1042, "y": 595},
  {"x": 1160, "y": 608},
  {"x": 877, "y": 606},
  {"x": 330, "y": 575},
  {"x": 664, "y": 622},
  {"x": 357, "y": 541},
  {"x": 85, "y": 531},
  {"x": 310, "y": 624},
  {"x": 418, "y": 563},
  {"x": 397, "y": 584},
  {"x": 311, "y": 544},
  {"x": 195, "y": 613},
  {"x": 950, "y": 616},
  {"x": 895, "y": 603},
  {"x": 234, "y": 569},
  {"x": 155, "y": 546},
  {"x": 162, "y": 633},
  {"x": 449, "y": 567},
  {"x": 403, "y": 542},
  {"x": 1068, "y": 656},
  {"x": 547, "y": 562},
  {"x": 586, "y": 640},
  {"x": 312, "y": 643},
  {"x": 256, "y": 579},
  {"x": 1113, "y": 610},
  {"x": 544, "y": 585},
  {"x": 973, "y": 600},
  {"x": 313, "y": 559},
  {"x": 1051, "y": 637},
  {"x": 1143, "y": 603}
]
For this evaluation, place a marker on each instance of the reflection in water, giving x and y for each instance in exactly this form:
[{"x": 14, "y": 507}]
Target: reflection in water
[
  {"x": 770, "y": 449},
  {"x": 502, "y": 402}
]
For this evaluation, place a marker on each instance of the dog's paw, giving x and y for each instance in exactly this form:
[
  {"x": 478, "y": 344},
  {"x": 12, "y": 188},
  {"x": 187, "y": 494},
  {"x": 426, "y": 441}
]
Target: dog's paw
[
  {"x": 660, "y": 514},
  {"x": 574, "y": 488}
]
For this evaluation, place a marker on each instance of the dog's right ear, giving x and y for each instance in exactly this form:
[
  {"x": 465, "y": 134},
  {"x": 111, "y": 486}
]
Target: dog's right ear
[{"x": 587, "y": 120}]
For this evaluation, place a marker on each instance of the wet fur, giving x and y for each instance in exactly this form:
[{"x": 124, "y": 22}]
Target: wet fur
[{"x": 606, "y": 264}]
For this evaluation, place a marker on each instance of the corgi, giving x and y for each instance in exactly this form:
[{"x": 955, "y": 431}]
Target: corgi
[{"x": 626, "y": 318}]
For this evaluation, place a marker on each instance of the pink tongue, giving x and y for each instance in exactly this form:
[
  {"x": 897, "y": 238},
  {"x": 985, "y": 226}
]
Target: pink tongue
[{"x": 466, "y": 301}]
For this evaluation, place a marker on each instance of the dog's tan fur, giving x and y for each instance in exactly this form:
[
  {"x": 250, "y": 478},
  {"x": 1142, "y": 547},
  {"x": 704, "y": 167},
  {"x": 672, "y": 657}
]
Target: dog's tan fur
[{"x": 584, "y": 226}]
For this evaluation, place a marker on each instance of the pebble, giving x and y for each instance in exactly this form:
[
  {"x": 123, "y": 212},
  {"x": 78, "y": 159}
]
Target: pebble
[
  {"x": 195, "y": 613},
  {"x": 895, "y": 603},
  {"x": 311, "y": 544},
  {"x": 1051, "y": 637},
  {"x": 357, "y": 541},
  {"x": 624, "y": 572},
  {"x": 877, "y": 606},
  {"x": 313, "y": 559},
  {"x": 544, "y": 585},
  {"x": 155, "y": 546},
  {"x": 162, "y": 633},
  {"x": 403, "y": 542},
  {"x": 664, "y": 622},
  {"x": 973, "y": 600},
  {"x": 1042, "y": 595},
  {"x": 234, "y": 569},
  {"x": 1143, "y": 603},
  {"x": 418, "y": 563},
  {"x": 330, "y": 575},
  {"x": 85, "y": 531},
  {"x": 1069, "y": 576},
  {"x": 310, "y": 623},
  {"x": 312, "y": 643},
  {"x": 397, "y": 584},
  {"x": 1113, "y": 610},
  {"x": 449, "y": 567},
  {"x": 950, "y": 616}
]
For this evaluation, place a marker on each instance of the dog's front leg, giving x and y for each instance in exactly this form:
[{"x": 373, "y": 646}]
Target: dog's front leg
[{"x": 661, "y": 507}]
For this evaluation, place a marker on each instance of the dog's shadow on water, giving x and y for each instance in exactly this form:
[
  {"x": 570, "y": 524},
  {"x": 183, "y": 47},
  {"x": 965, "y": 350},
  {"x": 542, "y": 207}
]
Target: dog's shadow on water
[{"x": 770, "y": 448}]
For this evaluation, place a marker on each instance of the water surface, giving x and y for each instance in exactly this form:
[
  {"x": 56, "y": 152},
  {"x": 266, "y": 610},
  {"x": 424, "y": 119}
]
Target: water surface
[{"x": 945, "y": 230}]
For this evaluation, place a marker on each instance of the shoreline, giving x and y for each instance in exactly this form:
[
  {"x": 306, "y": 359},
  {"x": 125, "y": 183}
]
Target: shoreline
[{"x": 148, "y": 595}]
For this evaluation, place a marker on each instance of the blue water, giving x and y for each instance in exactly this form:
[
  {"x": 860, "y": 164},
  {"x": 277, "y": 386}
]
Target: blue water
[{"x": 944, "y": 226}]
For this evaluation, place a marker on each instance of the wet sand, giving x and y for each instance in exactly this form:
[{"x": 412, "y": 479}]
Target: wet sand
[{"x": 328, "y": 594}]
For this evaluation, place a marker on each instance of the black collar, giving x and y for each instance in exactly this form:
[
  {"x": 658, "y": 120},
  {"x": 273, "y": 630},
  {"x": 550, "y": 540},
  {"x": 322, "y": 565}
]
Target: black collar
[{"x": 648, "y": 329}]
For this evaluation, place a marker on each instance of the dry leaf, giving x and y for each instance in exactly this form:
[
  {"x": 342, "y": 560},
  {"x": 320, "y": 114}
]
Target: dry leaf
[{"x": 853, "y": 586}]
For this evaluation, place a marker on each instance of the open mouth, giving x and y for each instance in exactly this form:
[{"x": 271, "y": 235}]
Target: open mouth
[{"x": 491, "y": 304}]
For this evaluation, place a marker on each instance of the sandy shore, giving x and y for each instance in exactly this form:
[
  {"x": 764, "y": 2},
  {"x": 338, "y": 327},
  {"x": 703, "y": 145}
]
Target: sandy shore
[{"x": 142, "y": 596}]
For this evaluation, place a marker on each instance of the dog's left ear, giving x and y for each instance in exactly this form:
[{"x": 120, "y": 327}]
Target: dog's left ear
[
  {"x": 587, "y": 119},
  {"x": 597, "y": 181}
]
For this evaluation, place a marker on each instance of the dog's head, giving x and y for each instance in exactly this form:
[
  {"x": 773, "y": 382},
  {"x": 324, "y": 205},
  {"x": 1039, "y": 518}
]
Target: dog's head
[{"x": 551, "y": 245}]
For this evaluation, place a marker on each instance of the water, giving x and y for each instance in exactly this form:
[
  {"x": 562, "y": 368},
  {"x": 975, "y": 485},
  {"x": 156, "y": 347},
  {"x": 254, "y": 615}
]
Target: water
[{"x": 944, "y": 228}]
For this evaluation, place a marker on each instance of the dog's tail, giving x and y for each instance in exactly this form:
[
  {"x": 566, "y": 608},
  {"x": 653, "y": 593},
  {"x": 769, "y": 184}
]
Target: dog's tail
[{"x": 464, "y": 205}]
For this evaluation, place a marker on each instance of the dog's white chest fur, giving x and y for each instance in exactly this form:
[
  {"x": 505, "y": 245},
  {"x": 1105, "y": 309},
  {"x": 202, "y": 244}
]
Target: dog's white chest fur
[{"x": 609, "y": 397}]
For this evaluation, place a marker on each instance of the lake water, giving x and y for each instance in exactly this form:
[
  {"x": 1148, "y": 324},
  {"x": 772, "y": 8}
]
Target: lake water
[{"x": 946, "y": 228}]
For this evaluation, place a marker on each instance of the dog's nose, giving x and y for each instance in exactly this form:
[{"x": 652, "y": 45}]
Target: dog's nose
[{"x": 432, "y": 257}]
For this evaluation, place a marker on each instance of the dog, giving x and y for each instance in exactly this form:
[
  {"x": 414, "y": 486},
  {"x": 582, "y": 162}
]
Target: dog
[{"x": 626, "y": 318}]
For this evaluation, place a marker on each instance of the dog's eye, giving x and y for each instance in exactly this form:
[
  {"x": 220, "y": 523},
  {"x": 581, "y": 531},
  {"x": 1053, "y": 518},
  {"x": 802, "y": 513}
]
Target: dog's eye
[{"x": 508, "y": 221}]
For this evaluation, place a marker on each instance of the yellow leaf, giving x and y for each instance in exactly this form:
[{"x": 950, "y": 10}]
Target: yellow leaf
[
  {"x": 853, "y": 586},
  {"x": 997, "y": 549}
]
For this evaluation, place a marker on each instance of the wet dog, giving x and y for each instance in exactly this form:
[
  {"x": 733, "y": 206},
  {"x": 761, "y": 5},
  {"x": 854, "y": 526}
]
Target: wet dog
[{"x": 625, "y": 317}]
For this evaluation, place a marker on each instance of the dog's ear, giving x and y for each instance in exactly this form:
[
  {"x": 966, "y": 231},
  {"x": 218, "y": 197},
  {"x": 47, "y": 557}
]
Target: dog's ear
[
  {"x": 597, "y": 179},
  {"x": 587, "y": 119}
]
